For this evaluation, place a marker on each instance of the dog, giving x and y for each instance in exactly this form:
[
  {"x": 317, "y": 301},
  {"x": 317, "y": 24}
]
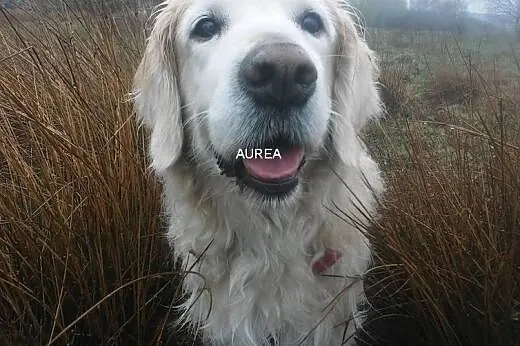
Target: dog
[{"x": 274, "y": 249}]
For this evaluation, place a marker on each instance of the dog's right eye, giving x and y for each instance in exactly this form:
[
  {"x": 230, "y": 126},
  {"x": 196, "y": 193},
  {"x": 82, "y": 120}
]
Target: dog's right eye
[
  {"x": 205, "y": 29},
  {"x": 312, "y": 23}
]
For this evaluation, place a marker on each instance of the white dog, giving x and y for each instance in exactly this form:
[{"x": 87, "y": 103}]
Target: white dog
[{"x": 274, "y": 249}]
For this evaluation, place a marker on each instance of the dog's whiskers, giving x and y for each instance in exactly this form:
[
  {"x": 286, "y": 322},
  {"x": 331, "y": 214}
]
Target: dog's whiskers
[{"x": 197, "y": 117}]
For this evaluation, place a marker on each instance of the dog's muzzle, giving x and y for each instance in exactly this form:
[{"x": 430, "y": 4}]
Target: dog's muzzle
[
  {"x": 278, "y": 78},
  {"x": 274, "y": 177}
]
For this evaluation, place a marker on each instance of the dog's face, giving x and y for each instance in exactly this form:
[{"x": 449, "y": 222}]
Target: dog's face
[
  {"x": 224, "y": 80},
  {"x": 258, "y": 76}
]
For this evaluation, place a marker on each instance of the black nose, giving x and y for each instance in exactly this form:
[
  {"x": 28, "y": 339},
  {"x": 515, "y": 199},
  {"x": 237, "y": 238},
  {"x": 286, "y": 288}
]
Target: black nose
[{"x": 279, "y": 74}]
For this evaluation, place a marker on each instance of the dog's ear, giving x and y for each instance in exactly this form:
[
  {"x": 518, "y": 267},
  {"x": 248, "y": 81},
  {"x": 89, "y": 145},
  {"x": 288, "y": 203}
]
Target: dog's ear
[
  {"x": 356, "y": 97},
  {"x": 355, "y": 90},
  {"x": 156, "y": 92}
]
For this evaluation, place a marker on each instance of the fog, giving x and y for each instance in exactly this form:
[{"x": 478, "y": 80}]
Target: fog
[{"x": 478, "y": 6}]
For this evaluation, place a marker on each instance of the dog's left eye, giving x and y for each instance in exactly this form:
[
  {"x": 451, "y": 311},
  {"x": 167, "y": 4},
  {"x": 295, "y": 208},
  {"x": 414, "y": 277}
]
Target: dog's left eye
[
  {"x": 312, "y": 23},
  {"x": 206, "y": 28}
]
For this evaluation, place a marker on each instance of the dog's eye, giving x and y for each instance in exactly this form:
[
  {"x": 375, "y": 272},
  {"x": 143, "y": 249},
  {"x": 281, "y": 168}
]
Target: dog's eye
[
  {"x": 312, "y": 23},
  {"x": 206, "y": 28}
]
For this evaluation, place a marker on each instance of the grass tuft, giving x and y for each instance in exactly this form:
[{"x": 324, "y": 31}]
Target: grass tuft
[{"x": 82, "y": 249}]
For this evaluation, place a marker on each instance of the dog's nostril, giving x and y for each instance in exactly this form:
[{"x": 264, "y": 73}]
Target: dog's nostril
[
  {"x": 306, "y": 75},
  {"x": 260, "y": 74}
]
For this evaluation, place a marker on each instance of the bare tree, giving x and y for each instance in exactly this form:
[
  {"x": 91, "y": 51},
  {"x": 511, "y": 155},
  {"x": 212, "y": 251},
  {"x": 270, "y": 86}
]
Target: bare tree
[{"x": 509, "y": 8}]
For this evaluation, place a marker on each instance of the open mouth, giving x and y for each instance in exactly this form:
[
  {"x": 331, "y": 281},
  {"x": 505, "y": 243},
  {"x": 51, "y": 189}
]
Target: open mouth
[{"x": 271, "y": 175}]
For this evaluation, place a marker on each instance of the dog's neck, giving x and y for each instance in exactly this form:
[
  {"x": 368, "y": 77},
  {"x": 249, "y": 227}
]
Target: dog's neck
[{"x": 304, "y": 226}]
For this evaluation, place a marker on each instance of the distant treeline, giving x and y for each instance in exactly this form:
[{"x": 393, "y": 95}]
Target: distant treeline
[
  {"x": 427, "y": 20},
  {"x": 444, "y": 15}
]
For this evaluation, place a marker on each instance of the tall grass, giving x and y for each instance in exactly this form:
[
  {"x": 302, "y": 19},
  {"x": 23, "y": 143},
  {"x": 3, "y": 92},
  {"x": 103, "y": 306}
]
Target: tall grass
[
  {"x": 448, "y": 242},
  {"x": 83, "y": 259},
  {"x": 82, "y": 252}
]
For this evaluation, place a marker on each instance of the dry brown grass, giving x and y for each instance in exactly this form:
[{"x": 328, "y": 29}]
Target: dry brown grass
[
  {"x": 450, "y": 86},
  {"x": 448, "y": 244},
  {"x": 83, "y": 259},
  {"x": 397, "y": 89},
  {"x": 80, "y": 234},
  {"x": 448, "y": 241}
]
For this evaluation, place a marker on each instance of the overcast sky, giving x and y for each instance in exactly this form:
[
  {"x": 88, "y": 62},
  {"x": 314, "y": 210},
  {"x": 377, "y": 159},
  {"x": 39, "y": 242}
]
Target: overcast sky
[{"x": 476, "y": 6}]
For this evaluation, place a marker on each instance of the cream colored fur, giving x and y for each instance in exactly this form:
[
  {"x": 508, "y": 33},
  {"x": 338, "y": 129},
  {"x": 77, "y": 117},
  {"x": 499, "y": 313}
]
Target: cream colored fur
[{"x": 249, "y": 262}]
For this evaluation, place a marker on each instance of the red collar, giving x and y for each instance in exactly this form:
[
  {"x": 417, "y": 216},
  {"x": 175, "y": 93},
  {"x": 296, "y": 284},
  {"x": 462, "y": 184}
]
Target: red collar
[{"x": 325, "y": 261}]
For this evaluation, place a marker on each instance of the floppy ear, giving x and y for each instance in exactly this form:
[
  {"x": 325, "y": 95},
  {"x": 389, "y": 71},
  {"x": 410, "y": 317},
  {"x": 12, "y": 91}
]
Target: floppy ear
[
  {"x": 156, "y": 93},
  {"x": 355, "y": 95},
  {"x": 355, "y": 90}
]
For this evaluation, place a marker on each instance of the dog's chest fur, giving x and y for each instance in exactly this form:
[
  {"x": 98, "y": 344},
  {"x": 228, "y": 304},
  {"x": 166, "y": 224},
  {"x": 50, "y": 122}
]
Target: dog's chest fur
[{"x": 252, "y": 276}]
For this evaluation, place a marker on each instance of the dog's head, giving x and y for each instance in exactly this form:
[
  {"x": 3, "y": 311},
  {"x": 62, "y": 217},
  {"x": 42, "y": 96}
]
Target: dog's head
[{"x": 221, "y": 81}]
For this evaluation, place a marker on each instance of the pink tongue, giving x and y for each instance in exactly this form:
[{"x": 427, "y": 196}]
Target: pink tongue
[{"x": 276, "y": 168}]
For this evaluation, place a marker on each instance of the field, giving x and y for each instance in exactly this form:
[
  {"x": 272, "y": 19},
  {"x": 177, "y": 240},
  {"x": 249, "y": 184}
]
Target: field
[{"x": 83, "y": 260}]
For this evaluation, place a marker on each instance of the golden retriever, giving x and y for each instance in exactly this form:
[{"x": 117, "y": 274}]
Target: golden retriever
[{"x": 273, "y": 247}]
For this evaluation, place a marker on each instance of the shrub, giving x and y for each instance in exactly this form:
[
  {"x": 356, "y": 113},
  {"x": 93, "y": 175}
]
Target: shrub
[
  {"x": 397, "y": 91},
  {"x": 448, "y": 85}
]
